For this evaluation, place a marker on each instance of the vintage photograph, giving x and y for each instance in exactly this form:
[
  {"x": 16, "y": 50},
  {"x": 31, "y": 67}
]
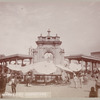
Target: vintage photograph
[{"x": 50, "y": 49}]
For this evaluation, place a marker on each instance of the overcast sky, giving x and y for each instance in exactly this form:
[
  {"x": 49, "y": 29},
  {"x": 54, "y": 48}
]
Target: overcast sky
[{"x": 77, "y": 23}]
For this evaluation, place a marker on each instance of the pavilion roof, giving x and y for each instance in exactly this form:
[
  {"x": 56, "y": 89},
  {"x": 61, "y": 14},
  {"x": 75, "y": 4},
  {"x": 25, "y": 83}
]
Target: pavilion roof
[
  {"x": 16, "y": 56},
  {"x": 83, "y": 57}
]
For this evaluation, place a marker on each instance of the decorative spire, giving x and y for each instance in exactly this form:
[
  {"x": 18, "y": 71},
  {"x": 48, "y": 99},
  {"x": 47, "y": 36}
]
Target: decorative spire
[{"x": 48, "y": 32}]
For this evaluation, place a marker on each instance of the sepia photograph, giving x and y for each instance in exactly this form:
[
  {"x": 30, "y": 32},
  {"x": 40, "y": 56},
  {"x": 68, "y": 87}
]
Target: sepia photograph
[{"x": 49, "y": 49}]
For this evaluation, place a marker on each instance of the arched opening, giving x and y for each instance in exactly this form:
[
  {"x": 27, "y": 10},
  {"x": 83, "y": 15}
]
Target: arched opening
[{"x": 48, "y": 56}]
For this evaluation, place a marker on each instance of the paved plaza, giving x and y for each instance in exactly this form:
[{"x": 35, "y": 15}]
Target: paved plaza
[{"x": 50, "y": 91}]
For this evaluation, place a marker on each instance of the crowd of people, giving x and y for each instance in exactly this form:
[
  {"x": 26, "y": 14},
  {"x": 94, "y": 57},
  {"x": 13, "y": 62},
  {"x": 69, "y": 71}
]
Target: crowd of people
[{"x": 79, "y": 78}]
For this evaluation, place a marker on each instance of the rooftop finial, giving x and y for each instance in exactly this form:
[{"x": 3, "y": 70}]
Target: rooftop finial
[{"x": 48, "y": 32}]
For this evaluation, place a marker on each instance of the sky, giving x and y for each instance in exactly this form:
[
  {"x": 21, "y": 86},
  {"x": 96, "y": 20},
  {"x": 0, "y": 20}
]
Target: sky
[{"x": 77, "y": 24}]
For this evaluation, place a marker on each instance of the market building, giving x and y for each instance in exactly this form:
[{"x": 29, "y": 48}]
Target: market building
[{"x": 87, "y": 62}]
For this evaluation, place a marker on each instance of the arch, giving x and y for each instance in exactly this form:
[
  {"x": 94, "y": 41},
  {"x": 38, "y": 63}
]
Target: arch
[
  {"x": 49, "y": 50},
  {"x": 49, "y": 55}
]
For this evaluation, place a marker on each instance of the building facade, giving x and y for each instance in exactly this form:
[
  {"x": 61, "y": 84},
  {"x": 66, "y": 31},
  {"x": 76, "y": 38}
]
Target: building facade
[{"x": 48, "y": 48}]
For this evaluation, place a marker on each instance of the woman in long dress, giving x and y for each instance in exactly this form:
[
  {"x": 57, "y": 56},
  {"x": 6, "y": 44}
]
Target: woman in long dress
[{"x": 75, "y": 78}]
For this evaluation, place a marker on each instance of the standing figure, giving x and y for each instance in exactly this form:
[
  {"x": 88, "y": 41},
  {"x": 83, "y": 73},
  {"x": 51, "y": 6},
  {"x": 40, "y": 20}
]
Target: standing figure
[
  {"x": 97, "y": 84},
  {"x": 68, "y": 75},
  {"x": 81, "y": 79},
  {"x": 75, "y": 80},
  {"x": 96, "y": 76},
  {"x": 28, "y": 80},
  {"x": 1, "y": 85},
  {"x": 4, "y": 82},
  {"x": 13, "y": 85},
  {"x": 8, "y": 77},
  {"x": 64, "y": 77},
  {"x": 85, "y": 78}
]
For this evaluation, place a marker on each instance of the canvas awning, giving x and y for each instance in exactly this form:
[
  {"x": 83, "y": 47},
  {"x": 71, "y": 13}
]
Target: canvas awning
[
  {"x": 27, "y": 68},
  {"x": 45, "y": 67},
  {"x": 64, "y": 68},
  {"x": 75, "y": 67},
  {"x": 24, "y": 69},
  {"x": 14, "y": 67}
]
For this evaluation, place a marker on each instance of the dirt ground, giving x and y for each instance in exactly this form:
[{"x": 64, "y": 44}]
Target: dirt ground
[{"x": 50, "y": 91}]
